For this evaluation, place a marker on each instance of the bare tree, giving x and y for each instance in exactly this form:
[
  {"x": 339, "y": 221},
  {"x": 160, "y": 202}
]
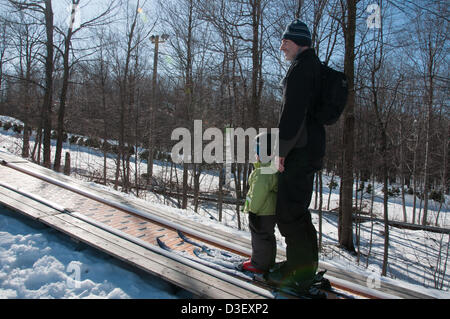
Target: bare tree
[
  {"x": 4, "y": 45},
  {"x": 136, "y": 34},
  {"x": 432, "y": 33},
  {"x": 45, "y": 14},
  {"x": 25, "y": 45},
  {"x": 72, "y": 30},
  {"x": 348, "y": 25},
  {"x": 99, "y": 73},
  {"x": 383, "y": 103},
  {"x": 45, "y": 10},
  {"x": 183, "y": 44}
]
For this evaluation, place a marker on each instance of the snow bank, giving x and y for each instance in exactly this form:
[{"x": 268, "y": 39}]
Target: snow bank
[{"x": 39, "y": 262}]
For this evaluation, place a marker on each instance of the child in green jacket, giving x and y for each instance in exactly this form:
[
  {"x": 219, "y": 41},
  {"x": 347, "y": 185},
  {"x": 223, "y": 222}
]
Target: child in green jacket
[{"x": 260, "y": 206}]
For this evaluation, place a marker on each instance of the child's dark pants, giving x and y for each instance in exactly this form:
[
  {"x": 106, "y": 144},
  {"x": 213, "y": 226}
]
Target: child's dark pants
[{"x": 264, "y": 244}]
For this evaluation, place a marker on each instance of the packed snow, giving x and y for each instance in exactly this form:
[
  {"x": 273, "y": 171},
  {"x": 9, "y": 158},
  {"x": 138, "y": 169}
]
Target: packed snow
[{"x": 39, "y": 263}]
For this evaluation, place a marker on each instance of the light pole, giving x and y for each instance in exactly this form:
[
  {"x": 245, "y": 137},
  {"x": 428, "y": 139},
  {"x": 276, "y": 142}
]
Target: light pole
[{"x": 156, "y": 40}]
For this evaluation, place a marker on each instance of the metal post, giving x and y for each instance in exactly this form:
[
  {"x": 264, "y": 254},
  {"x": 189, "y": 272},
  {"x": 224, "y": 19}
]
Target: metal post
[{"x": 156, "y": 39}]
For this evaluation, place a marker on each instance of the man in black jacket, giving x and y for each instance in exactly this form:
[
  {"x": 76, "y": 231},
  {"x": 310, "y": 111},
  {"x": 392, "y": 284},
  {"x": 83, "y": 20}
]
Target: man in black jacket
[{"x": 301, "y": 151}]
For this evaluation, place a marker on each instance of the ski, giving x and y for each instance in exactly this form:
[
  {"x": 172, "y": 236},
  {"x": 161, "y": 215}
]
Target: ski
[
  {"x": 212, "y": 257},
  {"x": 203, "y": 258},
  {"x": 208, "y": 263},
  {"x": 232, "y": 263},
  {"x": 210, "y": 251}
]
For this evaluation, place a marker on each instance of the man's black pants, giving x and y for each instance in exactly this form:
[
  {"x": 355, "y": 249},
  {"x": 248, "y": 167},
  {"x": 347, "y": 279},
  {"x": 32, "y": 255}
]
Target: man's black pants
[{"x": 295, "y": 186}]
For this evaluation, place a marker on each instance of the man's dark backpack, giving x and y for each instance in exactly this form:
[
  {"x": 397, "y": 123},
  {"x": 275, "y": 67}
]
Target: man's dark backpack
[{"x": 333, "y": 95}]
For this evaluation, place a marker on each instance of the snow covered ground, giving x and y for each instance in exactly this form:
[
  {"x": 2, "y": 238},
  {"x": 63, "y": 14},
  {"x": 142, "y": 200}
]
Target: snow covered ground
[
  {"x": 417, "y": 259},
  {"x": 39, "y": 262}
]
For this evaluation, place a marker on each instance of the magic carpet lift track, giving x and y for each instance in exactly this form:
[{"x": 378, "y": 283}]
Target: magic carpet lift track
[{"x": 336, "y": 282}]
